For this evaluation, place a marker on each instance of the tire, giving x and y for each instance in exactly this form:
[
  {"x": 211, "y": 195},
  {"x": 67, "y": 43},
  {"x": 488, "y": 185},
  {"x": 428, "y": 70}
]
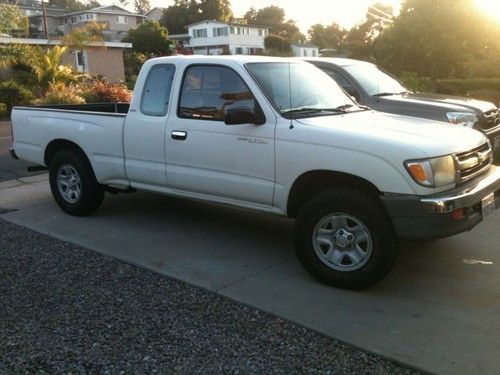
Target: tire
[
  {"x": 344, "y": 238},
  {"x": 83, "y": 194}
]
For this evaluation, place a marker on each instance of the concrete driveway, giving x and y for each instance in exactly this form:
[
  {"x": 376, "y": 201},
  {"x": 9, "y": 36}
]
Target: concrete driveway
[{"x": 438, "y": 310}]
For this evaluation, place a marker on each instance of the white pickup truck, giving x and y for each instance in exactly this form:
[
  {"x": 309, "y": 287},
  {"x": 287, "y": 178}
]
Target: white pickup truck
[{"x": 273, "y": 135}]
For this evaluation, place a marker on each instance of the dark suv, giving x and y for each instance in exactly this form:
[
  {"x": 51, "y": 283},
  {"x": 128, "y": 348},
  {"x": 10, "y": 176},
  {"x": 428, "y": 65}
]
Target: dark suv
[{"x": 375, "y": 88}]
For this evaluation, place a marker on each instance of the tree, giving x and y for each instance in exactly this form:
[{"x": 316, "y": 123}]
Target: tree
[
  {"x": 74, "y": 5},
  {"x": 142, "y": 6},
  {"x": 437, "y": 38},
  {"x": 80, "y": 37},
  {"x": 360, "y": 39},
  {"x": 40, "y": 67},
  {"x": 331, "y": 36},
  {"x": 149, "y": 38},
  {"x": 276, "y": 45},
  {"x": 185, "y": 12},
  {"x": 274, "y": 18},
  {"x": 12, "y": 20}
]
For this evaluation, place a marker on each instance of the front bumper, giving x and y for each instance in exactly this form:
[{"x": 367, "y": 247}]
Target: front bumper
[
  {"x": 415, "y": 217},
  {"x": 13, "y": 154}
]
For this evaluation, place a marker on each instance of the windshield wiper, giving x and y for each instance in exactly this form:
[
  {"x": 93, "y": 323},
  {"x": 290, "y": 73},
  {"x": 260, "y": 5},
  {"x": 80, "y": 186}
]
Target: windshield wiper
[{"x": 341, "y": 108}]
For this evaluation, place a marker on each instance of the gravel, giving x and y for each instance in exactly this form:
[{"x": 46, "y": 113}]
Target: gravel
[{"x": 66, "y": 309}]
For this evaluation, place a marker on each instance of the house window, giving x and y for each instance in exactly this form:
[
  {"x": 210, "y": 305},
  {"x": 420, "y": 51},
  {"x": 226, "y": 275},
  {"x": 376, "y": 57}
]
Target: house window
[
  {"x": 121, "y": 19},
  {"x": 261, "y": 32},
  {"x": 207, "y": 91},
  {"x": 199, "y": 33},
  {"x": 220, "y": 31},
  {"x": 314, "y": 53},
  {"x": 239, "y": 51},
  {"x": 156, "y": 92},
  {"x": 232, "y": 30}
]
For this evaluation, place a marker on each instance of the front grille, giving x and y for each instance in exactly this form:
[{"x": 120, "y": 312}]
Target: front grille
[
  {"x": 473, "y": 162},
  {"x": 490, "y": 119}
]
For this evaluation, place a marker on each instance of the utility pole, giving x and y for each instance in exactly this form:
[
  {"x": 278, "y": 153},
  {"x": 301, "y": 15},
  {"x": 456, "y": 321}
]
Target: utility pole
[{"x": 46, "y": 33}]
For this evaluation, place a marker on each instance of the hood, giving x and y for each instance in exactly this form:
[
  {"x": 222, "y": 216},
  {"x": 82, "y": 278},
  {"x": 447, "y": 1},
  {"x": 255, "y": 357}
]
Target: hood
[
  {"x": 448, "y": 102},
  {"x": 376, "y": 132}
]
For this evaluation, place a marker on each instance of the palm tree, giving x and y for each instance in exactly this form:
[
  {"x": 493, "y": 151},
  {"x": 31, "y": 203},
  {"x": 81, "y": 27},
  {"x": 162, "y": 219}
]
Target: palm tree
[{"x": 40, "y": 67}]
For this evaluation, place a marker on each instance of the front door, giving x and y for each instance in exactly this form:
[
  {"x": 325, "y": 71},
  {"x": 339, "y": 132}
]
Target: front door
[{"x": 207, "y": 158}]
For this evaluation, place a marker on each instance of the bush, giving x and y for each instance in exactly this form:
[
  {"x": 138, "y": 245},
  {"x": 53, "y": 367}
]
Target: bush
[
  {"x": 416, "y": 83},
  {"x": 12, "y": 93},
  {"x": 59, "y": 93},
  {"x": 277, "y": 46},
  {"x": 479, "y": 88},
  {"x": 4, "y": 114},
  {"x": 101, "y": 91}
]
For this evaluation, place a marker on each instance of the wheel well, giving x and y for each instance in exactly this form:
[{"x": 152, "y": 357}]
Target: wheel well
[
  {"x": 57, "y": 145},
  {"x": 313, "y": 182}
]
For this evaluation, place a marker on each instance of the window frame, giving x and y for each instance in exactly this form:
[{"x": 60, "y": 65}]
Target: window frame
[
  {"x": 258, "y": 109},
  {"x": 164, "y": 113}
]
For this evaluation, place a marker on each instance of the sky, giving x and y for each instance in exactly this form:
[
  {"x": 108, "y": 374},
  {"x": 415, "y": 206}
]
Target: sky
[
  {"x": 306, "y": 13},
  {"x": 346, "y": 13}
]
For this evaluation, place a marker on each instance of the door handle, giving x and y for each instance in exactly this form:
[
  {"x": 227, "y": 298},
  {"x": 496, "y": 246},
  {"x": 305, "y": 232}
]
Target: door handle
[{"x": 179, "y": 135}]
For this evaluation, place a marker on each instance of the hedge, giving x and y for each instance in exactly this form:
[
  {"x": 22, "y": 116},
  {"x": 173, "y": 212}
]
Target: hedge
[{"x": 478, "y": 88}]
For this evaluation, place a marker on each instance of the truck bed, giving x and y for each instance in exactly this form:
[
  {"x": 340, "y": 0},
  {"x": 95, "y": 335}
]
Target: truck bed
[{"x": 96, "y": 128}]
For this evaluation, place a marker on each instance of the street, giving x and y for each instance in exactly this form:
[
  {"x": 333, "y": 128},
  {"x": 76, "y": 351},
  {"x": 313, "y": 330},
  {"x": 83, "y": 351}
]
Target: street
[{"x": 437, "y": 310}]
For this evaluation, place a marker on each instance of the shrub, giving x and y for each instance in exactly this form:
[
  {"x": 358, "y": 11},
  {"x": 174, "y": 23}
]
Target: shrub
[
  {"x": 4, "y": 114},
  {"x": 101, "y": 91},
  {"x": 59, "y": 93},
  {"x": 480, "y": 88},
  {"x": 12, "y": 93},
  {"x": 277, "y": 46},
  {"x": 416, "y": 83}
]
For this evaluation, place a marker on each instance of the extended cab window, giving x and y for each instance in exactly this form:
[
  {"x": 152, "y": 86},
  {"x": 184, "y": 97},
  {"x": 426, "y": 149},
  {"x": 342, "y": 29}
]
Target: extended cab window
[
  {"x": 156, "y": 92},
  {"x": 208, "y": 90}
]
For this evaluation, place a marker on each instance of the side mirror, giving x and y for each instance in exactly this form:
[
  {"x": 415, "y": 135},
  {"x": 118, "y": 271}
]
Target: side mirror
[{"x": 239, "y": 116}]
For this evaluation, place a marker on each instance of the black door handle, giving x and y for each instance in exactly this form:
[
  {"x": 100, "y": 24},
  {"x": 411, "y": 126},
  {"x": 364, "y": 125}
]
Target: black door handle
[{"x": 179, "y": 135}]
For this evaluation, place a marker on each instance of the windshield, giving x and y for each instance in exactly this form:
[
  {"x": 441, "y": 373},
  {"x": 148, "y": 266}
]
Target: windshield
[
  {"x": 299, "y": 89},
  {"x": 375, "y": 81}
]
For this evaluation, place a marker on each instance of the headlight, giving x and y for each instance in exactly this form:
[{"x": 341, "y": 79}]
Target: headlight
[
  {"x": 467, "y": 119},
  {"x": 433, "y": 172}
]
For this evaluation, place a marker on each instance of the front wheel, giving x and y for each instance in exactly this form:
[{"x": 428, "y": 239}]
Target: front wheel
[
  {"x": 73, "y": 183},
  {"x": 344, "y": 238}
]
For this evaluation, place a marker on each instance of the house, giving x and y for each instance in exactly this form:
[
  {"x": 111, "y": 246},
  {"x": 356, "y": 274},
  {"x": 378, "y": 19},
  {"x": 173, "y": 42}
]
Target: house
[
  {"x": 304, "y": 50},
  {"x": 154, "y": 14},
  {"x": 117, "y": 20},
  {"x": 105, "y": 59},
  {"x": 212, "y": 37}
]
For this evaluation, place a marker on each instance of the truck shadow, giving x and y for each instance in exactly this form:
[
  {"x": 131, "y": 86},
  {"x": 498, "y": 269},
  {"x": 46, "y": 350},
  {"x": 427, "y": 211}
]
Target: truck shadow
[{"x": 434, "y": 269}]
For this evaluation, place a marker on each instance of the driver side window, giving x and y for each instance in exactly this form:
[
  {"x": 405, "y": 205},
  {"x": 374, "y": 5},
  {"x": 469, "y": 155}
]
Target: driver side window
[{"x": 208, "y": 90}]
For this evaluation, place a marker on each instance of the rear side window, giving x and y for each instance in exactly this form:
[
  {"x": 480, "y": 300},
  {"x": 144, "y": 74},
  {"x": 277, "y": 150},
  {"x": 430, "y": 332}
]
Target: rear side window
[
  {"x": 208, "y": 90},
  {"x": 156, "y": 92}
]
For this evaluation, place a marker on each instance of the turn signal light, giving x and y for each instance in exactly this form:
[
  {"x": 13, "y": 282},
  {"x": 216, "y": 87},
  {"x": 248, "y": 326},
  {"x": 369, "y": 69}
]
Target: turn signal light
[{"x": 418, "y": 172}]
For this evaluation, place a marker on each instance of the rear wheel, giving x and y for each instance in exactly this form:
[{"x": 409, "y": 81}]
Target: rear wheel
[
  {"x": 344, "y": 238},
  {"x": 73, "y": 183}
]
